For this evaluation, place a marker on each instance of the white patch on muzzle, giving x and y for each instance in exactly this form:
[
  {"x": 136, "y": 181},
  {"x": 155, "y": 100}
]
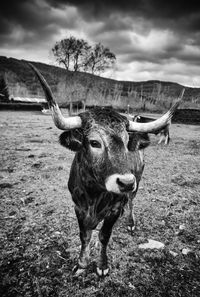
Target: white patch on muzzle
[{"x": 113, "y": 186}]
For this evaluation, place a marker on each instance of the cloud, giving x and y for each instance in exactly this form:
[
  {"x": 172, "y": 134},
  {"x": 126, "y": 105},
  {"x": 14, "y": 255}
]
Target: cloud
[
  {"x": 33, "y": 21},
  {"x": 151, "y": 38},
  {"x": 180, "y": 14},
  {"x": 172, "y": 71}
]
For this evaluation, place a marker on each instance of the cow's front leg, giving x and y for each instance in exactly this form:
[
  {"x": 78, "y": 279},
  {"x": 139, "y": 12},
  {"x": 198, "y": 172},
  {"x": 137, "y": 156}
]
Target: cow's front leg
[
  {"x": 85, "y": 236},
  {"x": 104, "y": 236},
  {"x": 131, "y": 221}
]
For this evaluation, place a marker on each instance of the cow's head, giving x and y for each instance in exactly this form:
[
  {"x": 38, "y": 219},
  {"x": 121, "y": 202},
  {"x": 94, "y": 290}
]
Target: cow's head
[
  {"x": 104, "y": 144},
  {"x": 104, "y": 139}
]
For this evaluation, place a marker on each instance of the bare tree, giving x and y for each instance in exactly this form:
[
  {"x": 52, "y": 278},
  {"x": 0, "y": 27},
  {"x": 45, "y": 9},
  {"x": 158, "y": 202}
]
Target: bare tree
[
  {"x": 77, "y": 55},
  {"x": 99, "y": 59},
  {"x": 71, "y": 52},
  {"x": 80, "y": 54}
]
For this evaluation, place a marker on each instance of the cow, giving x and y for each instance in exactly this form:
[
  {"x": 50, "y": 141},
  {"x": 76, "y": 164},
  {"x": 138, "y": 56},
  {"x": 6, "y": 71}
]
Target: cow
[
  {"x": 164, "y": 133},
  {"x": 106, "y": 169}
]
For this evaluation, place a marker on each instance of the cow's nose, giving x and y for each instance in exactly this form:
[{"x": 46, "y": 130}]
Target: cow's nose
[{"x": 126, "y": 182}]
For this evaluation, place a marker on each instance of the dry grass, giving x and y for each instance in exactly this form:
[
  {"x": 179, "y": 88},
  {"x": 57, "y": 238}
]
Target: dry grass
[
  {"x": 39, "y": 233},
  {"x": 156, "y": 96}
]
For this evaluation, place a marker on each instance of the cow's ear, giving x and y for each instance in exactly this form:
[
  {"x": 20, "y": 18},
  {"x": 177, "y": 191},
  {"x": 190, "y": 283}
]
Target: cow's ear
[
  {"x": 71, "y": 140},
  {"x": 138, "y": 141},
  {"x": 144, "y": 141}
]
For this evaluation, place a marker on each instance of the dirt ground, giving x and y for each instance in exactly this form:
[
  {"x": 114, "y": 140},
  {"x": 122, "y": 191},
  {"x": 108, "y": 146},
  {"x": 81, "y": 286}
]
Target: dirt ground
[{"x": 39, "y": 233}]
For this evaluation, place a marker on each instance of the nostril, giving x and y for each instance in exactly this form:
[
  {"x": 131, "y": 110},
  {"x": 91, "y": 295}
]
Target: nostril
[
  {"x": 125, "y": 185},
  {"x": 121, "y": 183}
]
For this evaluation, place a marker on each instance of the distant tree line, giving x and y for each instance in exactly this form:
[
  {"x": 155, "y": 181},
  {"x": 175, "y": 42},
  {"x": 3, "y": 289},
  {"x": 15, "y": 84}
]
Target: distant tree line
[{"x": 77, "y": 55}]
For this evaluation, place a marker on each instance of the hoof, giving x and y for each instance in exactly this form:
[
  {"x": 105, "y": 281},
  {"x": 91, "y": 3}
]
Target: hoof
[
  {"x": 102, "y": 272},
  {"x": 131, "y": 228}
]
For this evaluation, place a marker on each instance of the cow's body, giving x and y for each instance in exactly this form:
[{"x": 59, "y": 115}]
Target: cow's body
[
  {"x": 106, "y": 169},
  {"x": 95, "y": 195},
  {"x": 164, "y": 133}
]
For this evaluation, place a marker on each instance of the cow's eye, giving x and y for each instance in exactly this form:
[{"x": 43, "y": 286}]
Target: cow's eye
[{"x": 95, "y": 143}]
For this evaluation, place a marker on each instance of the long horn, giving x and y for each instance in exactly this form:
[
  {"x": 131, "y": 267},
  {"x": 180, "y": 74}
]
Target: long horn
[
  {"x": 158, "y": 124},
  {"x": 60, "y": 121}
]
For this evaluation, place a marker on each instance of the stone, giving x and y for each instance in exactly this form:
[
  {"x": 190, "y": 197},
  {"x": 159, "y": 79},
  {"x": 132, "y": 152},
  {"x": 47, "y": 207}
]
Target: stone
[
  {"x": 174, "y": 254},
  {"x": 186, "y": 251},
  {"x": 152, "y": 244},
  {"x": 182, "y": 227}
]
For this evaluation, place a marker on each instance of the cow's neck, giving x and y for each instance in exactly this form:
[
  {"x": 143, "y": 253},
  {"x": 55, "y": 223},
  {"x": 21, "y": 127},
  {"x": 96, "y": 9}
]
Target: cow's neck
[{"x": 97, "y": 205}]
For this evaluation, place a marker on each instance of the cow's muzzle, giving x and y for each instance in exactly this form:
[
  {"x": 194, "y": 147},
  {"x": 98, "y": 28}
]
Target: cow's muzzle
[{"x": 121, "y": 183}]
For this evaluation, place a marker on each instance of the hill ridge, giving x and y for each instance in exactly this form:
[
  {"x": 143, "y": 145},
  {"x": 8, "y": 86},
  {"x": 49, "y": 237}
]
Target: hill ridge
[{"x": 151, "y": 95}]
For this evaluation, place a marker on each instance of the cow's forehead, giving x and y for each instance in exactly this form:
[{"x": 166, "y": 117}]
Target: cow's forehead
[
  {"x": 103, "y": 119},
  {"x": 107, "y": 131}
]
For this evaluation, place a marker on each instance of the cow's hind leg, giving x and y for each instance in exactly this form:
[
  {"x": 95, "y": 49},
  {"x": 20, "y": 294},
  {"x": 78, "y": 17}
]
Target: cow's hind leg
[
  {"x": 131, "y": 222},
  {"x": 104, "y": 236},
  {"x": 85, "y": 236},
  {"x": 167, "y": 139}
]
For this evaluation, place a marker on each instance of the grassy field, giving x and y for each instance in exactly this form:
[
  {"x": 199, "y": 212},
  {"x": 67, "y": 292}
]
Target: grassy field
[{"x": 39, "y": 233}]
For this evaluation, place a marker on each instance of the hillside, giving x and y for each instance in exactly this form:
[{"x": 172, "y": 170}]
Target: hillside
[{"x": 66, "y": 85}]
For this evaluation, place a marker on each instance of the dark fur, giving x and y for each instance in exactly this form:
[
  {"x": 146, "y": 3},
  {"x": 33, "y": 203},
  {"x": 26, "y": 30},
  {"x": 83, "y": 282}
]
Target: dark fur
[{"x": 93, "y": 203}]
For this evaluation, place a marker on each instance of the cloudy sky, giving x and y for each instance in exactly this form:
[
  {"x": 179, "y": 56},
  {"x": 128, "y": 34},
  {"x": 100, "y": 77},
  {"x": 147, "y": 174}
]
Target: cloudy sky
[{"x": 152, "y": 39}]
